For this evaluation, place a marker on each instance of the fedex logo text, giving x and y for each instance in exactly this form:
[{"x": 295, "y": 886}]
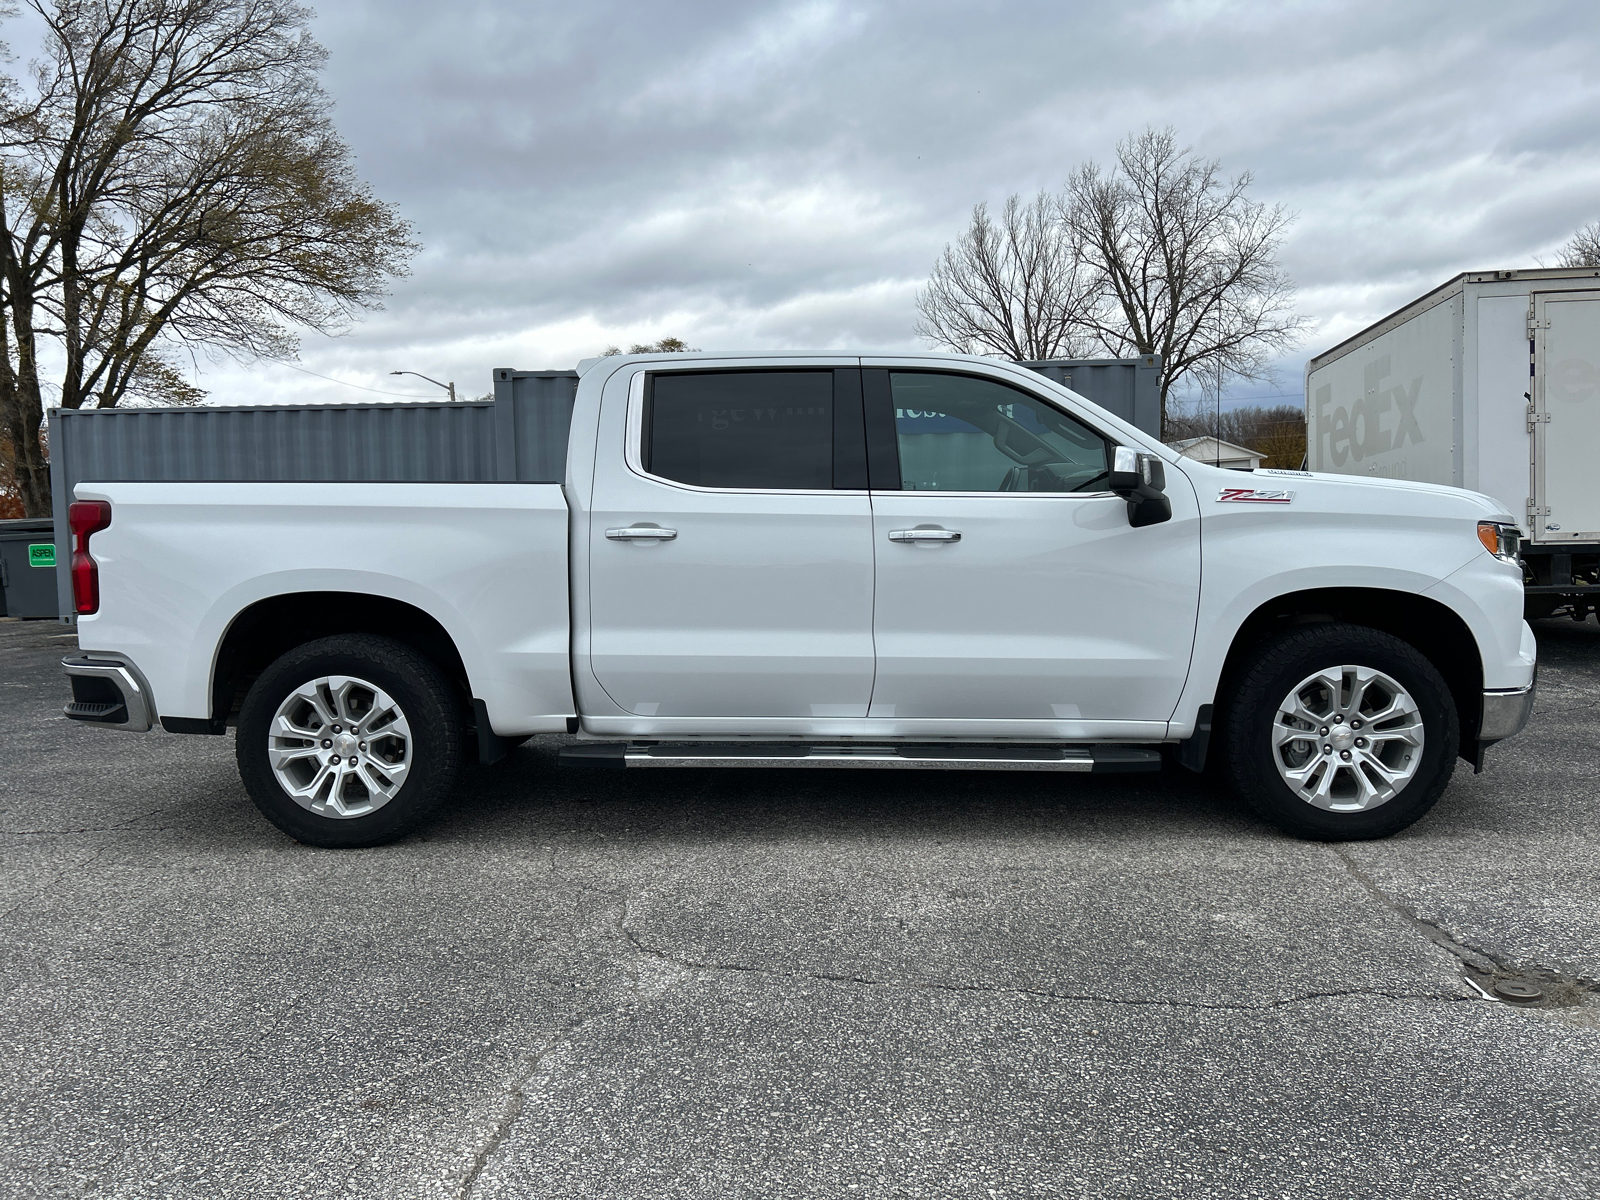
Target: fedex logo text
[{"x": 1358, "y": 432}]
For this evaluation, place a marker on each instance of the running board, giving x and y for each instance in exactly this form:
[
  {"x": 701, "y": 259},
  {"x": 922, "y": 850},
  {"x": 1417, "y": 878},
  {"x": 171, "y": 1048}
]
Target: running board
[{"x": 1096, "y": 759}]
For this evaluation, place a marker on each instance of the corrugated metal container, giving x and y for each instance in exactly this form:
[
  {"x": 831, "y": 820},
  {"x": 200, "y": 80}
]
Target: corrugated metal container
[
  {"x": 521, "y": 436},
  {"x": 1129, "y": 388},
  {"x": 290, "y": 444},
  {"x": 533, "y": 415}
]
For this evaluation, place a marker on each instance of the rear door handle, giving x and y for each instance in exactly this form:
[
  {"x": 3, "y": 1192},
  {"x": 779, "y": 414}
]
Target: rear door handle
[
  {"x": 924, "y": 535},
  {"x": 642, "y": 533}
]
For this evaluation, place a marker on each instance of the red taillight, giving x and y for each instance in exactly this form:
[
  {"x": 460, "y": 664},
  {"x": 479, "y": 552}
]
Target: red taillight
[{"x": 86, "y": 517}]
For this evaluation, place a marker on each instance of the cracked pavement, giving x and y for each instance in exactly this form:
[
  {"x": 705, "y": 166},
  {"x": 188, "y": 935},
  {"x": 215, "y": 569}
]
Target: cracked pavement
[{"x": 773, "y": 984}]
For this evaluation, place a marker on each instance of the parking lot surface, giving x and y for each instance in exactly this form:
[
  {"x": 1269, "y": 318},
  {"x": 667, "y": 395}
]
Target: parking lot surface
[{"x": 772, "y": 984}]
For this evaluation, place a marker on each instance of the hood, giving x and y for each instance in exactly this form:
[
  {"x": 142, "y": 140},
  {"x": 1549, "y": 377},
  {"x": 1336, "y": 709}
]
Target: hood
[{"x": 1351, "y": 493}]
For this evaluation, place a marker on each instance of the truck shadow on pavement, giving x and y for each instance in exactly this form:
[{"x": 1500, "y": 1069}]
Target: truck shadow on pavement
[{"x": 529, "y": 792}]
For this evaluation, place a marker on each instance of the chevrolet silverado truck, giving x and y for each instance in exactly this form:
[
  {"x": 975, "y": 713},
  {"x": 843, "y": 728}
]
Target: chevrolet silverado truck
[{"x": 814, "y": 561}]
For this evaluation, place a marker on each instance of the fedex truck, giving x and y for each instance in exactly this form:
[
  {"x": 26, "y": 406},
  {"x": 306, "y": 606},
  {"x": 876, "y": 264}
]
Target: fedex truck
[{"x": 1490, "y": 382}]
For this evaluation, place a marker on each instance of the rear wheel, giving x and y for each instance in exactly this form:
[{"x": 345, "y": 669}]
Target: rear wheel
[
  {"x": 350, "y": 741},
  {"x": 1340, "y": 733}
]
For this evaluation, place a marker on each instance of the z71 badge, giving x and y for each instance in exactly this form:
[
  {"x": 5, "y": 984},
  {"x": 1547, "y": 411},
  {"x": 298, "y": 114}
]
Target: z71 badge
[{"x": 1256, "y": 495}]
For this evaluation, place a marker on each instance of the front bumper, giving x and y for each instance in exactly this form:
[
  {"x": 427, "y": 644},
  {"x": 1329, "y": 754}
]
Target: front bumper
[
  {"x": 1505, "y": 713},
  {"x": 110, "y": 692}
]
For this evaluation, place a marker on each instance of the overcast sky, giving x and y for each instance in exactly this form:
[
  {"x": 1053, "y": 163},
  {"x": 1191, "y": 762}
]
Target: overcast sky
[{"x": 783, "y": 175}]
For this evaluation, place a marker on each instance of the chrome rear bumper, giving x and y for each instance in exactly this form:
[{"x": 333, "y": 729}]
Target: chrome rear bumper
[{"x": 109, "y": 692}]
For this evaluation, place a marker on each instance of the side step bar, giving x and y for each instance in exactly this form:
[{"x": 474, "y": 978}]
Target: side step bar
[{"x": 1100, "y": 759}]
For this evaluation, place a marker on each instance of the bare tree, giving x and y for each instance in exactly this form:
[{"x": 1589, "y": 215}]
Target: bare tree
[
  {"x": 1159, "y": 255},
  {"x": 10, "y": 497},
  {"x": 1278, "y": 433},
  {"x": 1186, "y": 263},
  {"x": 170, "y": 180},
  {"x": 1584, "y": 248},
  {"x": 1013, "y": 287}
]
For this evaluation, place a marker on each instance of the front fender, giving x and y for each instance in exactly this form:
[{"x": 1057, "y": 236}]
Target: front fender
[
  {"x": 1329, "y": 535},
  {"x": 1488, "y": 596}
]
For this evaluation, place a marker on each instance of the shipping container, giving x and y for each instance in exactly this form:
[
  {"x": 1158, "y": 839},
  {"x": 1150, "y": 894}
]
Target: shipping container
[
  {"x": 1488, "y": 382},
  {"x": 1129, "y": 388}
]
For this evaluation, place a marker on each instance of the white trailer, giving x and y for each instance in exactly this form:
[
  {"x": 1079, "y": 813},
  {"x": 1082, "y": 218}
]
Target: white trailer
[{"x": 1489, "y": 382}]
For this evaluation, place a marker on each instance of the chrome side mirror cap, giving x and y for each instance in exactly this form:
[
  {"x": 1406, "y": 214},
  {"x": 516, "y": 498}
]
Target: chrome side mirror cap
[{"x": 1136, "y": 474}]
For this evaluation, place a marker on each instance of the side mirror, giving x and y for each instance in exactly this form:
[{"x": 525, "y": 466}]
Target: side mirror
[{"x": 1140, "y": 479}]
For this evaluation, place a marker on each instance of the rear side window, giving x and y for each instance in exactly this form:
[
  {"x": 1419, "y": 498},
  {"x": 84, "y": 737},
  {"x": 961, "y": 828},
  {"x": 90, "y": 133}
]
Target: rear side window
[{"x": 741, "y": 429}]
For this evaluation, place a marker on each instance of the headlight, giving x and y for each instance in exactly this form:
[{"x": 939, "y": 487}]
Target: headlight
[{"x": 1502, "y": 541}]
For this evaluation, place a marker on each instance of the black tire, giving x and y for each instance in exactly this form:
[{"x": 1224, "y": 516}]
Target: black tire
[
  {"x": 1256, "y": 692},
  {"x": 432, "y": 712}
]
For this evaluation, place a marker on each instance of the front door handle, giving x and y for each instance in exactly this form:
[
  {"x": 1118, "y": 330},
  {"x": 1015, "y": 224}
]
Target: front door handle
[
  {"x": 924, "y": 535},
  {"x": 641, "y": 533}
]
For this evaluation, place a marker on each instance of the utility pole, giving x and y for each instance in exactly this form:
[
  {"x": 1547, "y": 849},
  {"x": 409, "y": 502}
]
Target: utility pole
[{"x": 1217, "y": 434}]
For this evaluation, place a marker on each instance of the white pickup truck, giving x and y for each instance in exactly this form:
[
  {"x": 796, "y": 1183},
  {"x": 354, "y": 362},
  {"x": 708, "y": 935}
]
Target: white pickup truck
[{"x": 911, "y": 561}]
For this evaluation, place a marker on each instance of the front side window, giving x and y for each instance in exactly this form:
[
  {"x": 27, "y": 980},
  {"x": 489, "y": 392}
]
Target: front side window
[
  {"x": 741, "y": 429},
  {"x": 960, "y": 433}
]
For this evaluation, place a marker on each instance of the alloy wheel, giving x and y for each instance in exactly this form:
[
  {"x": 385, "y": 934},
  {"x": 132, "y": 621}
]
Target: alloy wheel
[
  {"x": 339, "y": 746},
  {"x": 1347, "y": 739}
]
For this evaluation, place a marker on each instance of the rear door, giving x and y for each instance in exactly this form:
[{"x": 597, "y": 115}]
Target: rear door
[
  {"x": 1567, "y": 402},
  {"x": 1011, "y": 587},
  {"x": 730, "y": 547}
]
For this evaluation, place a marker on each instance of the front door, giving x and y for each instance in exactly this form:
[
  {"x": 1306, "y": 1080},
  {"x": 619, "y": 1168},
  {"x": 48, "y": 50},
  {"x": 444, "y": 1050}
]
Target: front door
[
  {"x": 730, "y": 548},
  {"x": 1010, "y": 586}
]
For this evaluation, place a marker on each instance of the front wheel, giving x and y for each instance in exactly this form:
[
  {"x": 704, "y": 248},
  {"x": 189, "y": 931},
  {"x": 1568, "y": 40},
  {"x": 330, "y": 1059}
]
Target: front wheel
[
  {"x": 349, "y": 741},
  {"x": 1339, "y": 733}
]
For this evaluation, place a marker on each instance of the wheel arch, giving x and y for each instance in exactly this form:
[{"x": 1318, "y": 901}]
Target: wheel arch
[
  {"x": 1436, "y": 630},
  {"x": 263, "y": 631}
]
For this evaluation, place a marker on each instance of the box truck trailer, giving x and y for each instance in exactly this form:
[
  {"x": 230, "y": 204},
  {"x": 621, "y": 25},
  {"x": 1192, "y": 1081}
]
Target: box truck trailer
[{"x": 1489, "y": 382}]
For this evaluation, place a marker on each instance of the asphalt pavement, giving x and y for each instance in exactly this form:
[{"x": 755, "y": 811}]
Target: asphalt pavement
[{"x": 789, "y": 984}]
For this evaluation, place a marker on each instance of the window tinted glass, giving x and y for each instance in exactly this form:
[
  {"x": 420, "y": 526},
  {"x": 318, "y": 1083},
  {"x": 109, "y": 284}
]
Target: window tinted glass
[
  {"x": 741, "y": 429},
  {"x": 958, "y": 433}
]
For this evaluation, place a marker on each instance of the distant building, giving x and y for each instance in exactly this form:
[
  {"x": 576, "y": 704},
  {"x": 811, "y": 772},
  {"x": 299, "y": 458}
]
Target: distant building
[{"x": 1219, "y": 453}]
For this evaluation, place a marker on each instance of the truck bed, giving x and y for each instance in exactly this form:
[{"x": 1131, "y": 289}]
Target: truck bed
[{"x": 182, "y": 570}]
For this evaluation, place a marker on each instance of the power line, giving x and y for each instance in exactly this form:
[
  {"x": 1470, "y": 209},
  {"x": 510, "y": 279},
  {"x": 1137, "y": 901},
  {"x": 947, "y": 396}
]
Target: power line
[
  {"x": 1241, "y": 399},
  {"x": 357, "y": 386}
]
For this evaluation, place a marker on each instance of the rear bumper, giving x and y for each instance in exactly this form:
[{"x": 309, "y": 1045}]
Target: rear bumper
[
  {"x": 1505, "y": 713},
  {"x": 110, "y": 692}
]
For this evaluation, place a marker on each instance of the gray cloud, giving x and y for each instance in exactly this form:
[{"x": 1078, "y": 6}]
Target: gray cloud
[{"x": 784, "y": 175}]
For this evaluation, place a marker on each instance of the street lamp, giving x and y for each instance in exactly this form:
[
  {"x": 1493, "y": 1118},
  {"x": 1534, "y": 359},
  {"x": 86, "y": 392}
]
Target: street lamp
[{"x": 449, "y": 387}]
